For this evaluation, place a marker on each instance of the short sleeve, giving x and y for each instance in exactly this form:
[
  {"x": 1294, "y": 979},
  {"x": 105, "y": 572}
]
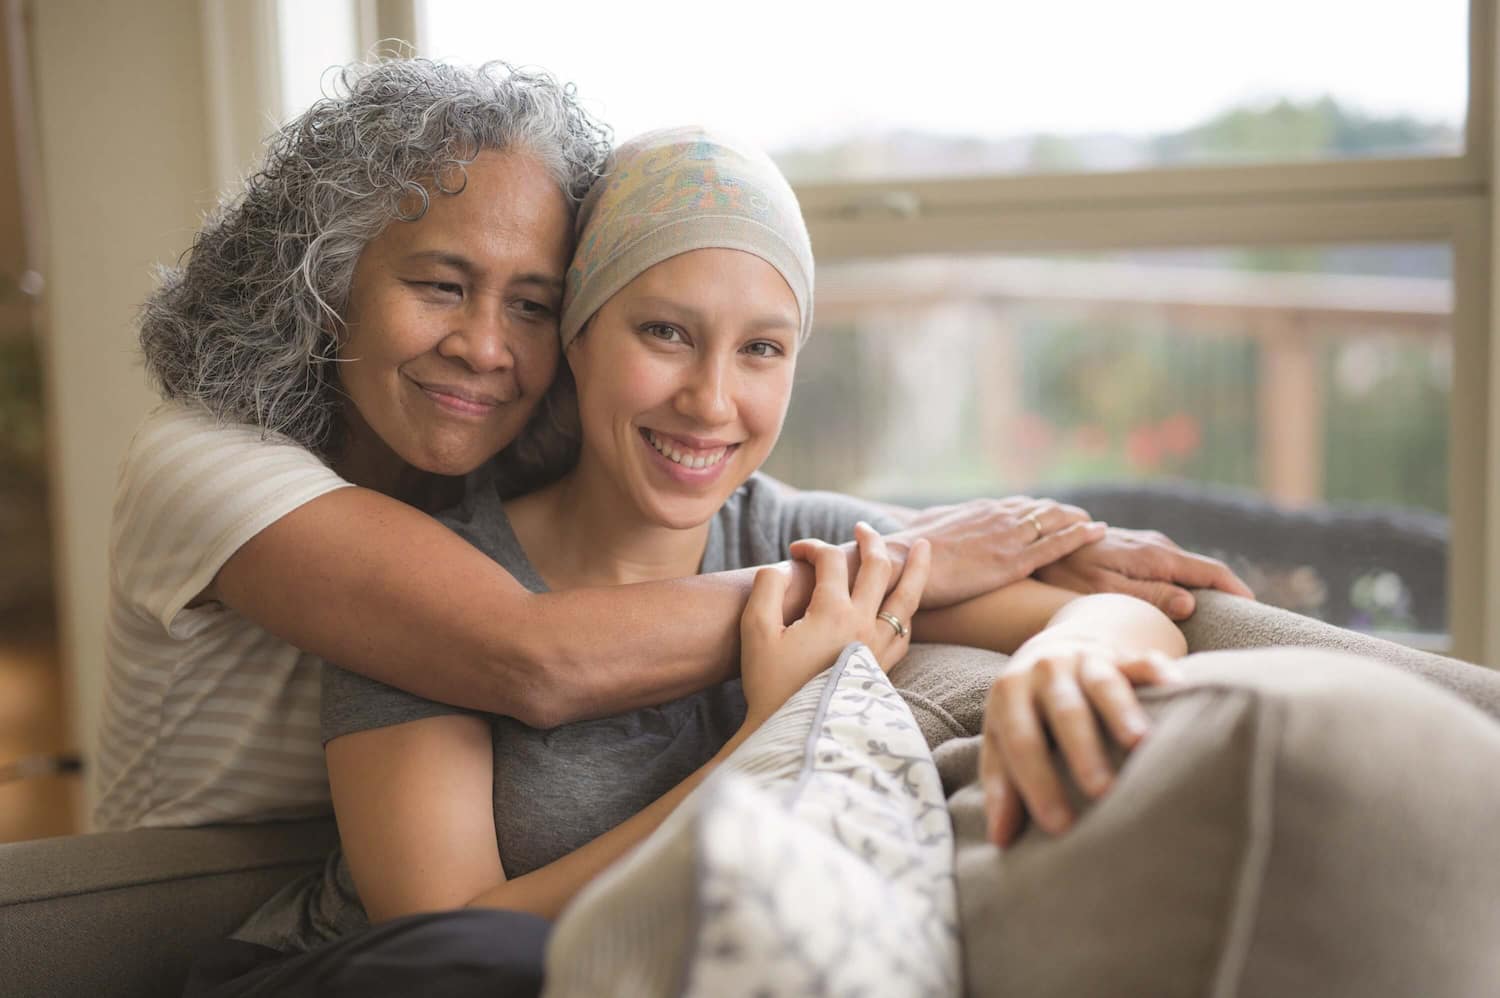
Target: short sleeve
[
  {"x": 191, "y": 491},
  {"x": 354, "y": 703},
  {"x": 827, "y": 516}
]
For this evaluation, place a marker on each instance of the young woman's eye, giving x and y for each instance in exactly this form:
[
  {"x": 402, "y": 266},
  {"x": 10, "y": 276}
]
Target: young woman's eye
[
  {"x": 763, "y": 348},
  {"x": 663, "y": 332}
]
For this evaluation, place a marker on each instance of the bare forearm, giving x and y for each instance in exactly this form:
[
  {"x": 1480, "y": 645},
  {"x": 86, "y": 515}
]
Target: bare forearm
[
  {"x": 1000, "y": 620},
  {"x": 1122, "y": 622},
  {"x": 384, "y": 590},
  {"x": 597, "y": 652},
  {"x": 547, "y": 891}
]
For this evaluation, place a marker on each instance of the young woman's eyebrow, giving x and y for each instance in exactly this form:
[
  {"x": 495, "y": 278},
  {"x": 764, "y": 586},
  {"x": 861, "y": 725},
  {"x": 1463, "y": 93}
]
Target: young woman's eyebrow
[
  {"x": 770, "y": 323},
  {"x": 759, "y": 324}
]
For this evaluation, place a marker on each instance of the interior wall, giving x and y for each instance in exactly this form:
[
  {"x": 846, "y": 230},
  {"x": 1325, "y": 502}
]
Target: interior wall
[{"x": 126, "y": 173}]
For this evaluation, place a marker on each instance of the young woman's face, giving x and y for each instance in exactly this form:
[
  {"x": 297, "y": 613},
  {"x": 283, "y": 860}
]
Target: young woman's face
[
  {"x": 683, "y": 381},
  {"x": 452, "y": 319}
]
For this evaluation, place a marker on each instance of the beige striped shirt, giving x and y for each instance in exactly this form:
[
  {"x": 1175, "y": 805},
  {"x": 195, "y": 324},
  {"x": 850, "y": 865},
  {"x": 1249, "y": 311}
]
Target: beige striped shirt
[{"x": 207, "y": 717}]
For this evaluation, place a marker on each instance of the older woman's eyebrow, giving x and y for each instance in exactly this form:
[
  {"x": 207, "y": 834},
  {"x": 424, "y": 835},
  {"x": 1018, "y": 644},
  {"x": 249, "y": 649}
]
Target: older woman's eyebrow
[{"x": 552, "y": 282}]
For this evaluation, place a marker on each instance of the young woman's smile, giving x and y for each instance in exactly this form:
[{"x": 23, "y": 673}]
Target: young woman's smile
[{"x": 684, "y": 377}]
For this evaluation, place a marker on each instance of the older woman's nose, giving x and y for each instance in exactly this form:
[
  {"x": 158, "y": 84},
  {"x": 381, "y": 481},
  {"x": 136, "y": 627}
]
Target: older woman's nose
[{"x": 481, "y": 340}]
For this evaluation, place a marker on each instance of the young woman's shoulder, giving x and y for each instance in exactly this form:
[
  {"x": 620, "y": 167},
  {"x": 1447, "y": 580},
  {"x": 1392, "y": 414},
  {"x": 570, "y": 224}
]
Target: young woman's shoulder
[{"x": 769, "y": 515}]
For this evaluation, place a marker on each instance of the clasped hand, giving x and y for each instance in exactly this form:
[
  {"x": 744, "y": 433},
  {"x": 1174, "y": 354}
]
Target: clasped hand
[{"x": 776, "y": 658}]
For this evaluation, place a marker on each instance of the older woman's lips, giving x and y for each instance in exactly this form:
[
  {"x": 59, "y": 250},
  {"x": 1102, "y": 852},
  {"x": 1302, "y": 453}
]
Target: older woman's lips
[{"x": 460, "y": 401}]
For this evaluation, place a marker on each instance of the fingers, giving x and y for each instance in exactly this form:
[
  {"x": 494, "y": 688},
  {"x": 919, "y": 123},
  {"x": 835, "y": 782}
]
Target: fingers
[
  {"x": 1174, "y": 601},
  {"x": 1003, "y": 812},
  {"x": 875, "y": 568},
  {"x": 1202, "y": 572},
  {"x": 1054, "y": 516},
  {"x": 1027, "y": 759},
  {"x": 831, "y": 569},
  {"x": 902, "y": 603},
  {"x": 1071, "y": 719},
  {"x": 1151, "y": 669},
  {"x": 1055, "y": 546},
  {"x": 904, "y": 600},
  {"x": 1110, "y": 693},
  {"x": 763, "y": 611}
]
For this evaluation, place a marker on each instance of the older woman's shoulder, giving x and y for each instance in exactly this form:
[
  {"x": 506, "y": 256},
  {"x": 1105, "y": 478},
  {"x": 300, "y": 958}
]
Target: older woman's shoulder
[{"x": 175, "y": 432}]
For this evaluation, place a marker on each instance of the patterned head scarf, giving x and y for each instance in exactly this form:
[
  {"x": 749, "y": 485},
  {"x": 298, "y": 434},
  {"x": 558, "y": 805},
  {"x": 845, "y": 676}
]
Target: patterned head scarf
[{"x": 671, "y": 191}]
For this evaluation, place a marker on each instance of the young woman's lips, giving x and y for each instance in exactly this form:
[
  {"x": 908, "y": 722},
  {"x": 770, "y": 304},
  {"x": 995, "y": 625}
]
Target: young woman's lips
[
  {"x": 459, "y": 401},
  {"x": 713, "y": 459}
]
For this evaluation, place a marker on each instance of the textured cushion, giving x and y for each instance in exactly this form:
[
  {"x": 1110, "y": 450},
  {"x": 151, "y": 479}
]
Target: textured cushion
[
  {"x": 1298, "y": 822},
  {"x": 946, "y": 687},
  {"x": 818, "y": 860},
  {"x": 1223, "y": 622}
]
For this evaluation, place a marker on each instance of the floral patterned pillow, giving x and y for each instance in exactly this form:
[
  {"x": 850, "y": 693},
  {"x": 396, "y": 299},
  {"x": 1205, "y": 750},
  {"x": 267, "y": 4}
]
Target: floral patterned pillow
[{"x": 819, "y": 860}]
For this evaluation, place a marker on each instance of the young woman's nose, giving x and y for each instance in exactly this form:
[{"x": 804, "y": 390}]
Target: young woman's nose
[
  {"x": 708, "y": 397},
  {"x": 480, "y": 338}
]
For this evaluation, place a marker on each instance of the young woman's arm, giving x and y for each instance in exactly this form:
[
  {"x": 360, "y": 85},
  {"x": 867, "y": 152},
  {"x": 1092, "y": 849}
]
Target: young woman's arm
[
  {"x": 414, "y": 801},
  {"x": 417, "y": 822}
]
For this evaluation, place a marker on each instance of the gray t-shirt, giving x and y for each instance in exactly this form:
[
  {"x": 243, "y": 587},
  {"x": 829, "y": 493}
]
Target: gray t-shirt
[{"x": 558, "y": 789}]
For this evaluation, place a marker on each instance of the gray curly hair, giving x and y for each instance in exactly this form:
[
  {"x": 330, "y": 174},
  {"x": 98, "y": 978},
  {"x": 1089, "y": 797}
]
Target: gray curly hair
[{"x": 248, "y": 326}]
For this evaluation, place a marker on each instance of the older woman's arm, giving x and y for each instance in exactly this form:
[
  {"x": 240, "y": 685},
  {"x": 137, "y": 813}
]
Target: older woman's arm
[{"x": 383, "y": 589}]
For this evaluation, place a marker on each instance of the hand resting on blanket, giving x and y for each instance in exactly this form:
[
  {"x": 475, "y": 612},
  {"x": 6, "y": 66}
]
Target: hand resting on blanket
[{"x": 1074, "y": 675}]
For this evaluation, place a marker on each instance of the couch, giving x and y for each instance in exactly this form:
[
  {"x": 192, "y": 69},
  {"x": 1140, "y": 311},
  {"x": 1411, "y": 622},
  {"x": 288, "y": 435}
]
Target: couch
[{"x": 122, "y": 914}]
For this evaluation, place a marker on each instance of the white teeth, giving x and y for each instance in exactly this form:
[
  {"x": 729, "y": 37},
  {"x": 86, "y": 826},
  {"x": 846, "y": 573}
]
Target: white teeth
[{"x": 686, "y": 460}]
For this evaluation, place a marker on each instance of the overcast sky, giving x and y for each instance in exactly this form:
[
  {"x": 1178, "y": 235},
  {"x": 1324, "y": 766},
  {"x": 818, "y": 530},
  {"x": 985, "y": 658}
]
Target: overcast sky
[{"x": 784, "y": 71}]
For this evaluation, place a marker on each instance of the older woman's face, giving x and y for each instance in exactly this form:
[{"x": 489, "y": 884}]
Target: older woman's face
[
  {"x": 684, "y": 377},
  {"x": 452, "y": 319}
]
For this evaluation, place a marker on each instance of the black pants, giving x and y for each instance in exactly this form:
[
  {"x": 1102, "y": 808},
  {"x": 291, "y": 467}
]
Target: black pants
[{"x": 451, "y": 954}]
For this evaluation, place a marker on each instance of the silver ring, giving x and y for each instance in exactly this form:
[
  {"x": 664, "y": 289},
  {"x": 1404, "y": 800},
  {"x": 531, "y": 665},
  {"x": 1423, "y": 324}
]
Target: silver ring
[
  {"x": 895, "y": 622},
  {"x": 1031, "y": 518}
]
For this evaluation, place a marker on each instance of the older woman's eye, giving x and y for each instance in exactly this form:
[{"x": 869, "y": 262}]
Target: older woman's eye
[
  {"x": 534, "y": 309},
  {"x": 446, "y": 288}
]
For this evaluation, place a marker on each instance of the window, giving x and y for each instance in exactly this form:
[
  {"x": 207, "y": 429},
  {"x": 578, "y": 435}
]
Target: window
[
  {"x": 1286, "y": 408},
  {"x": 1237, "y": 251},
  {"x": 840, "y": 91}
]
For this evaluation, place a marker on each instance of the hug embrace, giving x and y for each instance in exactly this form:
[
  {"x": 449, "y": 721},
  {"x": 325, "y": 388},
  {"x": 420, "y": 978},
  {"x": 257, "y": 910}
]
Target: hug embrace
[{"x": 452, "y": 520}]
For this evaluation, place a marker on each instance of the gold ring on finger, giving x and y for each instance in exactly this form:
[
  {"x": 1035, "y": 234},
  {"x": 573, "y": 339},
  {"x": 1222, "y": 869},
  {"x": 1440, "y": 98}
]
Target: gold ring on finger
[
  {"x": 1032, "y": 519},
  {"x": 895, "y": 622}
]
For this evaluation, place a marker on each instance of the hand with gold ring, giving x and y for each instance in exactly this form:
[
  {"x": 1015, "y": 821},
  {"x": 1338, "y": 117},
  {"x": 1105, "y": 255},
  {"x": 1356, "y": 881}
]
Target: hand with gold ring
[
  {"x": 985, "y": 544},
  {"x": 776, "y": 659},
  {"x": 1032, "y": 519},
  {"x": 894, "y": 621}
]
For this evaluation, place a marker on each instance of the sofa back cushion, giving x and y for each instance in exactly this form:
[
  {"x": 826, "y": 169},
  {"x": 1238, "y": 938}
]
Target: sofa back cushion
[{"x": 1297, "y": 822}]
